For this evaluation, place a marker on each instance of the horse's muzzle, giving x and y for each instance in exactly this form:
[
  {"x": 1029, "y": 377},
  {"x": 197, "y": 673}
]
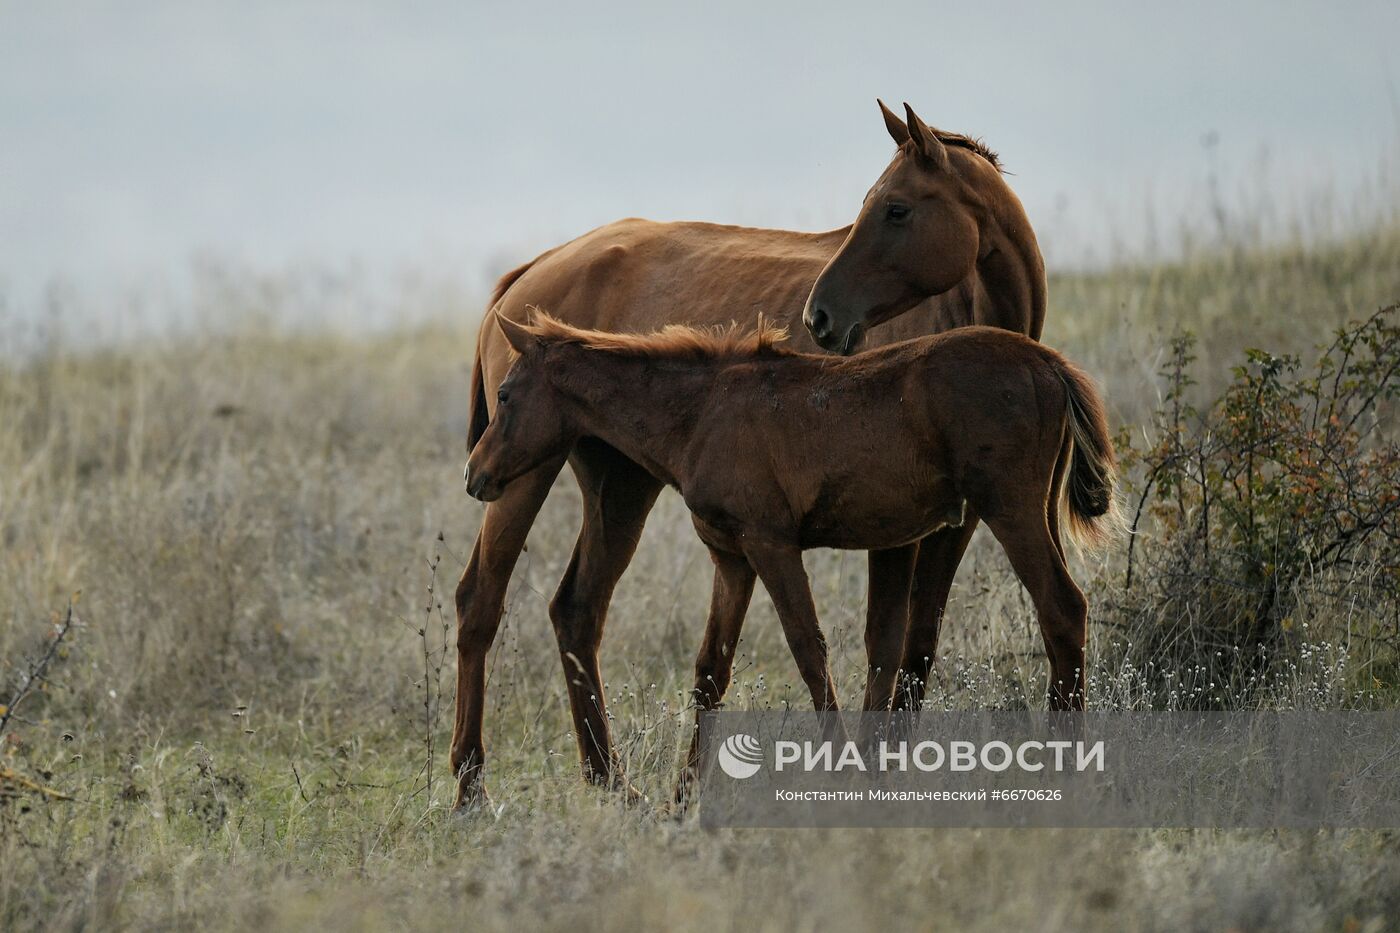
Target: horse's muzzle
[
  {"x": 479, "y": 485},
  {"x": 818, "y": 324},
  {"x": 822, "y": 327},
  {"x": 852, "y": 339}
]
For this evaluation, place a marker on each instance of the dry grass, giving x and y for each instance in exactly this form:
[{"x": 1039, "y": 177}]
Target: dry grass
[{"x": 251, "y": 520}]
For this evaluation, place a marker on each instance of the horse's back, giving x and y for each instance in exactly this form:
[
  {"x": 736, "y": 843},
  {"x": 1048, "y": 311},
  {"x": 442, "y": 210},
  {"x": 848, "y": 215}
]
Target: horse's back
[{"x": 637, "y": 275}]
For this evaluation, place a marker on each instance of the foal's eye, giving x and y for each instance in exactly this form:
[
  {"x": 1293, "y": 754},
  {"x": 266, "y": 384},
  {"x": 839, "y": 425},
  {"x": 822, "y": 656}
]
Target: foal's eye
[
  {"x": 896, "y": 212},
  {"x": 501, "y": 397}
]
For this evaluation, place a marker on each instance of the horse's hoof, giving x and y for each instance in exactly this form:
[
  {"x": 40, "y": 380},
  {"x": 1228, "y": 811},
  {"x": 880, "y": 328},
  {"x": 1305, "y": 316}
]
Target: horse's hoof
[
  {"x": 471, "y": 798},
  {"x": 615, "y": 781},
  {"x": 630, "y": 795}
]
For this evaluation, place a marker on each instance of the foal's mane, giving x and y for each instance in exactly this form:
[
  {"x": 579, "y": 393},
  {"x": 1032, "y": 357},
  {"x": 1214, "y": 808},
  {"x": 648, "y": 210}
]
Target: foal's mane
[{"x": 672, "y": 342}]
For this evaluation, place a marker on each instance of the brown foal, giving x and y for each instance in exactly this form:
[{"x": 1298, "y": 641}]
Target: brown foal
[
  {"x": 940, "y": 241},
  {"x": 776, "y": 451}
]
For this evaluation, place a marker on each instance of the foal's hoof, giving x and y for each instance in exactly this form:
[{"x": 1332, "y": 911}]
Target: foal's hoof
[
  {"x": 680, "y": 805},
  {"x": 687, "y": 790}
]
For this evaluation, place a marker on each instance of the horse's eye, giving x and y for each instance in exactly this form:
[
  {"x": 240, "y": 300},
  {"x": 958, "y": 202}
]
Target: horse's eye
[
  {"x": 896, "y": 212},
  {"x": 501, "y": 397}
]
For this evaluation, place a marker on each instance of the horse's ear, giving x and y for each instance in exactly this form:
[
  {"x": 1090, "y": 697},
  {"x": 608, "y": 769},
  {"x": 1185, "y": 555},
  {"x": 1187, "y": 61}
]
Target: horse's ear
[
  {"x": 926, "y": 140},
  {"x": 522, "y": 338},
  {"x": 898, "y": 131}
]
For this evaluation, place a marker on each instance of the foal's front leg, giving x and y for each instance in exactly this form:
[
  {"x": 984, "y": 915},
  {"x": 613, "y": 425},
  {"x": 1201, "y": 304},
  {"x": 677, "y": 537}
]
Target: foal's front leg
[
  {"x": 729, "y": 601},
  {"x": 887, "y": 622},
  {"x": 886, "y": 626},
  {"x": 780, "y": 568},
  {"x": 617, "y": 496}
]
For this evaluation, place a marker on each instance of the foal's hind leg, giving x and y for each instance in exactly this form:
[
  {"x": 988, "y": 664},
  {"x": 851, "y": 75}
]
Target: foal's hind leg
[
  {"x": 480, "y": 598},
  {"x": 1059, "y": 604},
  {"x": 729, "y": 601},
  {"x": 939, "y": 556},
  {"x": 617, "y": 496}
]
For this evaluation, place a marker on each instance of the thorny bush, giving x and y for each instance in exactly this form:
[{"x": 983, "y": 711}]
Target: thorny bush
[{"x": 1277, "y": 503}]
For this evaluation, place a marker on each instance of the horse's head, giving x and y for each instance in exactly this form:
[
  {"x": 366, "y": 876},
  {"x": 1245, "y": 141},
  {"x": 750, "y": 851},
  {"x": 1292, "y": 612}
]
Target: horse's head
[
  {"x": 916, "y": 236},
  {"x": 528, "y": 428}
]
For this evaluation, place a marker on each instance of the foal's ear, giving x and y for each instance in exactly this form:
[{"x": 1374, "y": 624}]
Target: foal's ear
[
  {"x": 926, "y": 140},
  {"x": 898, "y": 131},
  {"x": 522, "y": 338}
]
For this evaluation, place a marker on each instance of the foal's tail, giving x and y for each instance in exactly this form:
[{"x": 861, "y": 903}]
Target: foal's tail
[{"x": 1093, "y": 508}]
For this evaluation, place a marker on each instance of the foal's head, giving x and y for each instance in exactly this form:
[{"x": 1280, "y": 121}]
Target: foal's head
[
  {"x": 537, "y": 417},
  {"x": 528, "y": 427},
  {"x": 916, "y": 234}
]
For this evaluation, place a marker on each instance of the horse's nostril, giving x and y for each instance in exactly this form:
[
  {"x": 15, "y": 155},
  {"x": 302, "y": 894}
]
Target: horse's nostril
[{"x": 819, "y": 323}]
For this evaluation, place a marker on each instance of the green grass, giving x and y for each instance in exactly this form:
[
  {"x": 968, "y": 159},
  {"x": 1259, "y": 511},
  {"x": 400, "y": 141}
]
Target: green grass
[{"x": 252, "y": 520}]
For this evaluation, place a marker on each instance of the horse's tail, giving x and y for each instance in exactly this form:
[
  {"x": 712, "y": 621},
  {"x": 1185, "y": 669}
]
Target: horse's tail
[
  {"x": 477, "y": 417},
  {"x": 1089, "y": 488}
]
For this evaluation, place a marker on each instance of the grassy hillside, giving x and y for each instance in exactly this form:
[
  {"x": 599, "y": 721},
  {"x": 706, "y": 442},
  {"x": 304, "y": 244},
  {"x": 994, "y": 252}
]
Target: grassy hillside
[{"x": 262, "y": 531}]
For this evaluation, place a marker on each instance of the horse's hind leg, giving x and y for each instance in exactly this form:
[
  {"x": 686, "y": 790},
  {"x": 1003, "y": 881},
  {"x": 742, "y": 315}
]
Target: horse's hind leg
[
  {"x": 617, "y": 496},
  {"x": 785, "y": 579},
  {"x": 939, "y": 556},
  {"x": 729, "y": 601},
  {"x": 480, "y": 598},
  {"x": 1060, "y": 606}
]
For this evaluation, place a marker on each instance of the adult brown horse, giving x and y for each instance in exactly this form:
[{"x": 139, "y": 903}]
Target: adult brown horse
[
  {"x": 942, "y": 240},
  {"x": 738, "y": 425}
]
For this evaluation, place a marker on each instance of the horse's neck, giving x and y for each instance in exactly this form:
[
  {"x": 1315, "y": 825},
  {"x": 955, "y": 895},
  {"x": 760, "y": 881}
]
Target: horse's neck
[
  {"x": 1010, "y": 271},
  {"x": 1012, "y": 294},
  {"x": 646, "y": 415}
]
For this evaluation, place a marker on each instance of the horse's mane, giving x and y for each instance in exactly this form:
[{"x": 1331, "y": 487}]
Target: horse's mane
[
  {"x": 970, "y": 143},
  {"x": 674, "y": 341}
]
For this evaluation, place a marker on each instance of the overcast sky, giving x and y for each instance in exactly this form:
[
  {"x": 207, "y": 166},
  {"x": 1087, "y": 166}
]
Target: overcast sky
[{"x": 462, "y": 137}]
